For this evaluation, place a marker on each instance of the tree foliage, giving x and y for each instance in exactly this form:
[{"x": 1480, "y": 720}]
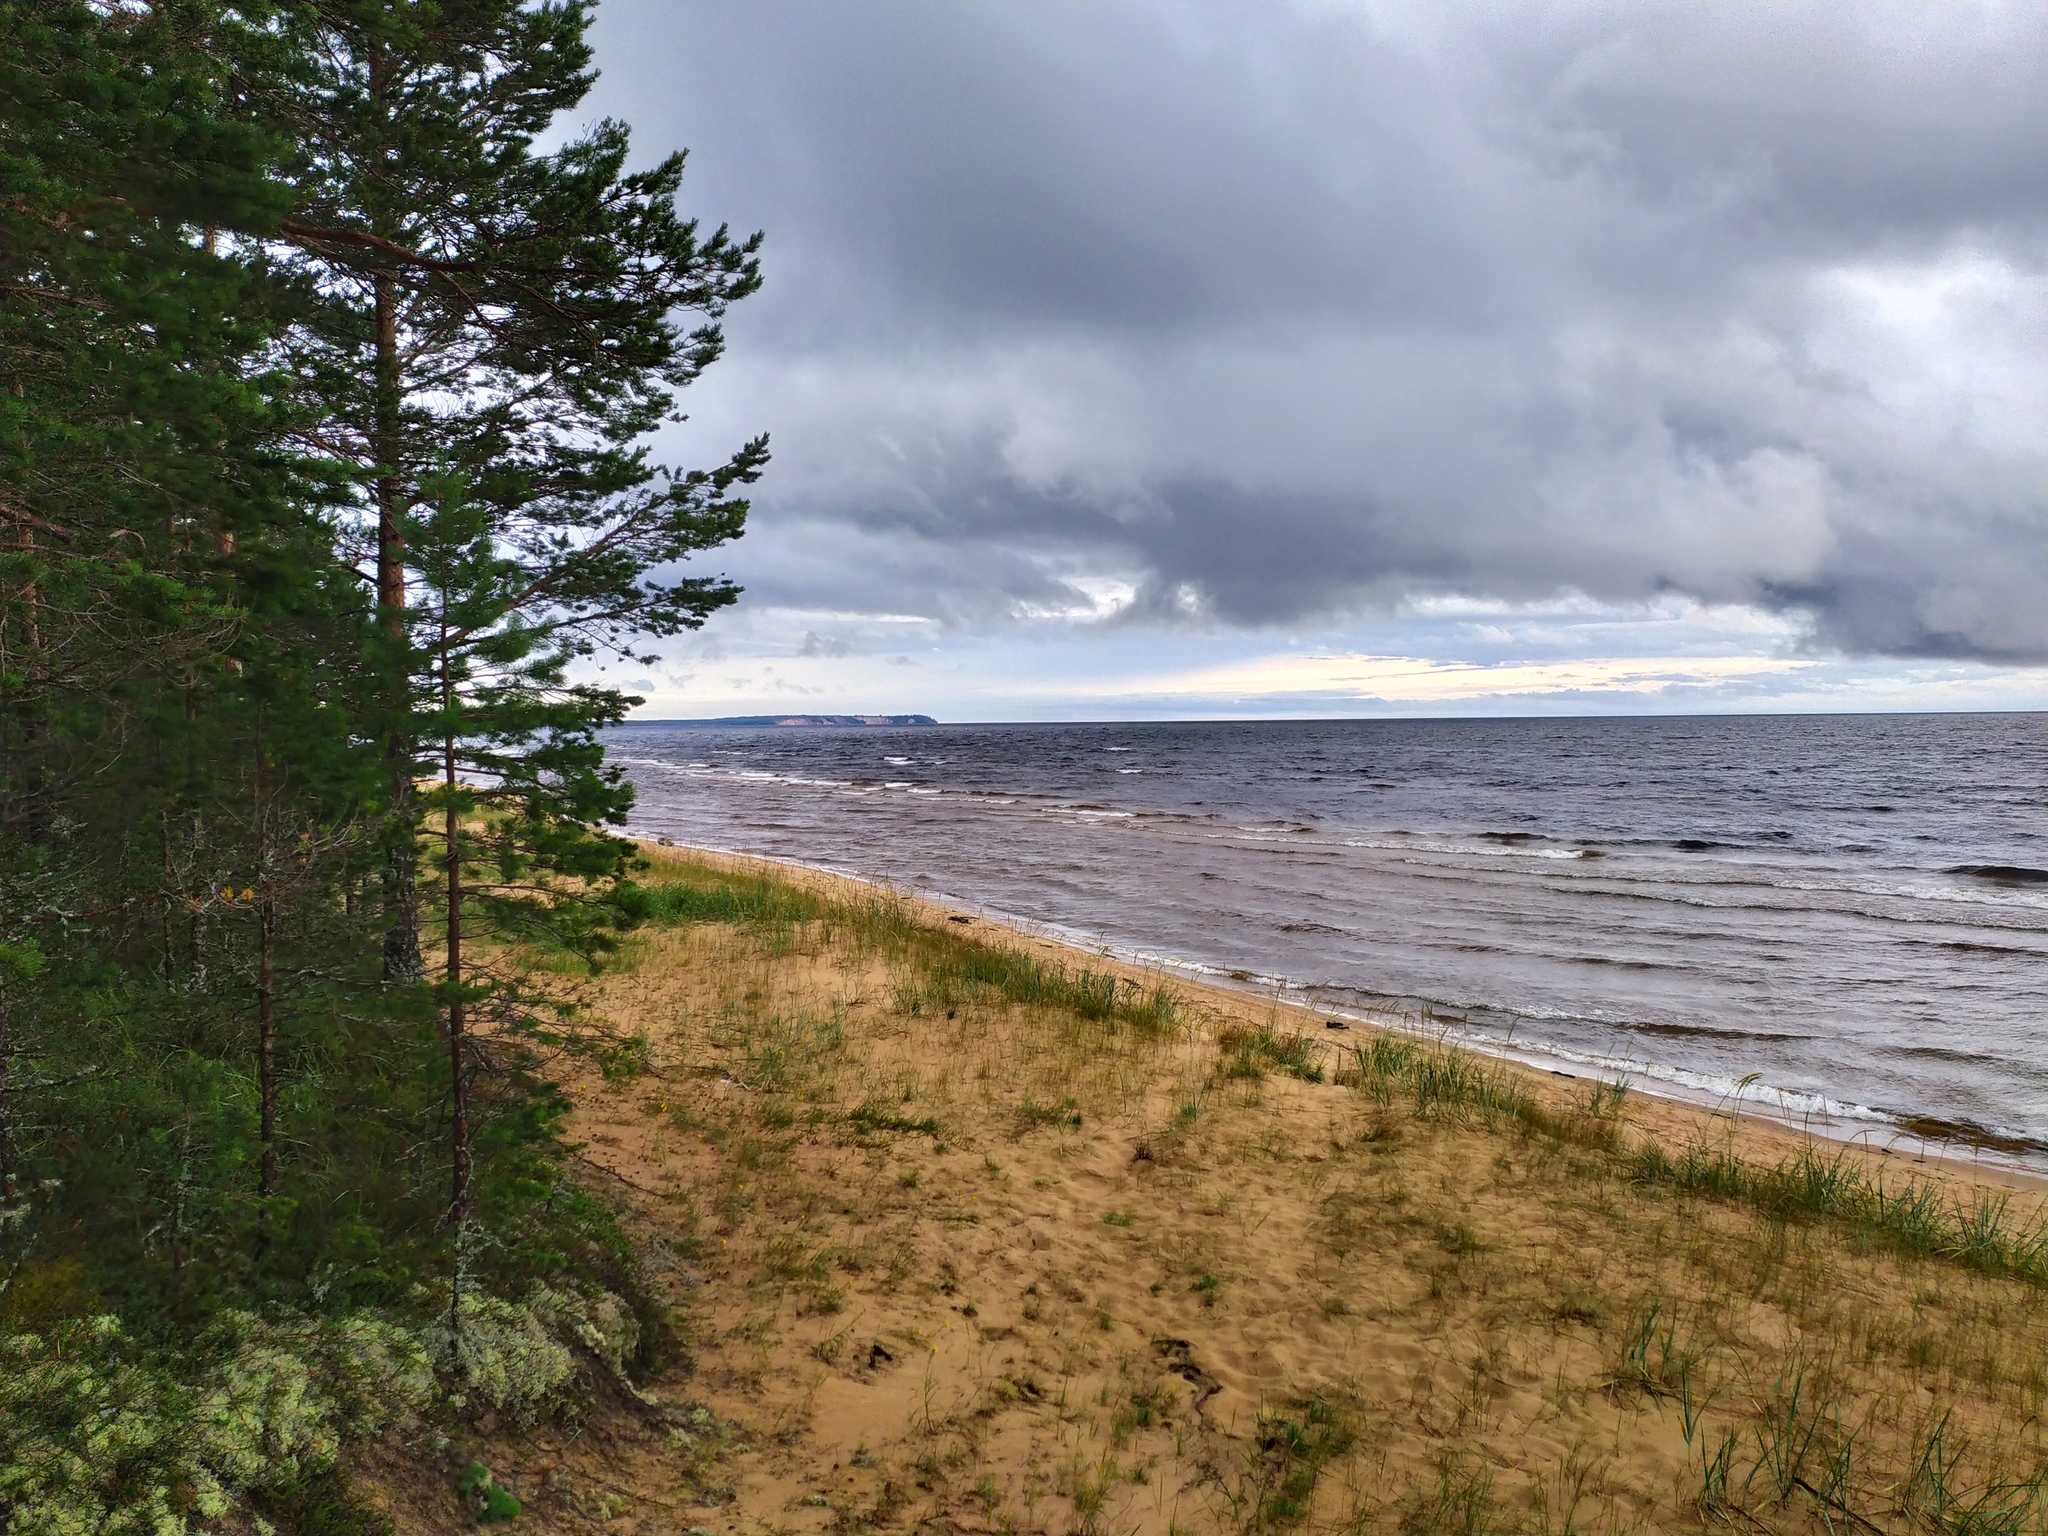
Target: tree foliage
[{"x": 323, "y": 479}]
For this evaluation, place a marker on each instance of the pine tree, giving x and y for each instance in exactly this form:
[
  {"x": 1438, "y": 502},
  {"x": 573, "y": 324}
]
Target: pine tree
[
  {"x": 497, "y": 627},
  {"x": 182, "y": 786},
  {"x": 133, "y": 434},
  {"x": 136, "y": 441},
  {"x": 496, "y": 312}
]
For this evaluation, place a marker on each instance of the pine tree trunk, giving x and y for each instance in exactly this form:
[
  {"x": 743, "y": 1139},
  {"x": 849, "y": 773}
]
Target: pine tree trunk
[
  {"x": 163, "y": 842},
  {"x": 31, "y": 812},
  {"x": 195, "y": 925},
  {"x": 10, "y": 1181},
  {"x": 12, "y": 811},
  {"x": 459, "y": 1201},
  {"x": 266, "y": 1041},
  {"x": 195, "y": 959},
  {"x": 390, "y": 484},
  {"x": 401, "y": 881},
  {"x": 266, "y": 991}
]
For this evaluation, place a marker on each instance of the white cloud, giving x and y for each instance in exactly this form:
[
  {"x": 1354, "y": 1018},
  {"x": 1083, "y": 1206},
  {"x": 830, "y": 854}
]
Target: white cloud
[{"x": 1331, "y": 679}]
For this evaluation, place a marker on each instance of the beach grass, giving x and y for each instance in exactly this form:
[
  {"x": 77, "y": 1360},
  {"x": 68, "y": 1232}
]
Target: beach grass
[
  {"x": 968, "y": 1231},
  {"x": 1981, "y": 1228}
]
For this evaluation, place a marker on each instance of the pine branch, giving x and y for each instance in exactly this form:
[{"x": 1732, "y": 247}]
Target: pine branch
[{"x": 312, "y": 237}]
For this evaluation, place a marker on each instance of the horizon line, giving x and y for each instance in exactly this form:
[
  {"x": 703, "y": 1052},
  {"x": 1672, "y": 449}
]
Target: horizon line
[{"x": 884, "y": 722}]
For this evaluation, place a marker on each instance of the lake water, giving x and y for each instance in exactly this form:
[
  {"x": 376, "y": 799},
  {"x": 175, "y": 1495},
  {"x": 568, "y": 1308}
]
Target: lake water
[{"x": 1853, "y": 909}]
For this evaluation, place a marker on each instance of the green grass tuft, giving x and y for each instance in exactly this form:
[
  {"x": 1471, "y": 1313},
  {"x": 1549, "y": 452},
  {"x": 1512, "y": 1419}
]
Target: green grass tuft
[
  {"x": 1252, "y": 1053},
  {"x": 706, "y": 896},
  {"x": 868, "y": 1118},
  {"x": 1912, "y": 1217}
]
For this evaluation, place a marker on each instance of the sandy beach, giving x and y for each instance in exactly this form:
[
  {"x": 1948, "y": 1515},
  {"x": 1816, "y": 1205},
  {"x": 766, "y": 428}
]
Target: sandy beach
[{"x": 966, "y": 1230}]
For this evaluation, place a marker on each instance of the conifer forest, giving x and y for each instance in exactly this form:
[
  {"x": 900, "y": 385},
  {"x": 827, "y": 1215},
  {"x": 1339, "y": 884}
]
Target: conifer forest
[{"x": 334, "y": 335}]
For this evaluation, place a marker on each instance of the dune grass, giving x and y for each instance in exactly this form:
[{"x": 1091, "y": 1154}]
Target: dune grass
[
  {"x": 1983, "y": 1232},
  {"x": 707, "y": 896},
  {"x": 947, "y": 966}
]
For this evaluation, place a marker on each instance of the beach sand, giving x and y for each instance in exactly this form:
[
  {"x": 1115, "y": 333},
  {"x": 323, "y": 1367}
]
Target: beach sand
[{"x": 944, "y": 1259}]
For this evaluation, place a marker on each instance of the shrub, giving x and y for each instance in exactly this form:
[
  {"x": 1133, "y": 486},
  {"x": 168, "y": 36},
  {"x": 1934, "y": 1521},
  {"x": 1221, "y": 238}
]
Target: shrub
[
  {"x": 96, "y": 1435},
  {"x": 99, "y": 1434}
]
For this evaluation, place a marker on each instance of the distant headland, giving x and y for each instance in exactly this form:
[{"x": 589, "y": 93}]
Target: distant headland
[{"x": 833, "y": 721}]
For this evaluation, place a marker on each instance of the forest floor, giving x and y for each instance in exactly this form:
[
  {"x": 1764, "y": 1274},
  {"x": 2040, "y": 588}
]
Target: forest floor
[{"x": 963, "y": 1241}]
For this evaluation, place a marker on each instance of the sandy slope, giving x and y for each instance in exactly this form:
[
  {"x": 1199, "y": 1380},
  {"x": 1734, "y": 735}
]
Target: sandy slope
[{"x": 945, "y": 1262}]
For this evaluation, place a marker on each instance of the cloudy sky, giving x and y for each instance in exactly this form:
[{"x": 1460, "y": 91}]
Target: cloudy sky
[{"x": 1194, "y": 360}]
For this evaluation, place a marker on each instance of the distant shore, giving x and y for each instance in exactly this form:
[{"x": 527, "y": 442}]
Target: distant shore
[{"x": 784, "y": 722}]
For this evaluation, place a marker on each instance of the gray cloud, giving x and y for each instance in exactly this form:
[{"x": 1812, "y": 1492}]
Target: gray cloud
[{"x": 1268, "y": 315}]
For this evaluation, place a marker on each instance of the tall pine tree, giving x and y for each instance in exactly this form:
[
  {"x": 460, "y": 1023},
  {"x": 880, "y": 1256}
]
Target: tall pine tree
[{"x": 499, "y": 313}]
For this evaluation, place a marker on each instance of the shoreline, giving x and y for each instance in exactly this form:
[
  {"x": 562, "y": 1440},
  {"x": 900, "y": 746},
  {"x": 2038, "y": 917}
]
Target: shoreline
[{"x": 1661, "y": 1108}]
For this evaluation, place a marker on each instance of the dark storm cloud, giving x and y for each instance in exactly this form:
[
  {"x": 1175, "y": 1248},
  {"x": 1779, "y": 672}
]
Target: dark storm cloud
[{"x": 1276, "y": 314}]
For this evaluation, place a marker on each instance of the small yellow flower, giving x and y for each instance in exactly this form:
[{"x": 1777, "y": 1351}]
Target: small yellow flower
[
  {"x": 227, "y": 893},
  {"x": 248, "y": 894}
]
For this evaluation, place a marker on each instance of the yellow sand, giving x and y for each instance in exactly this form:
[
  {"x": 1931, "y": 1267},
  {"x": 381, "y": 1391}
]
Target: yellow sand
[{"x": 1119, "y": 1289}]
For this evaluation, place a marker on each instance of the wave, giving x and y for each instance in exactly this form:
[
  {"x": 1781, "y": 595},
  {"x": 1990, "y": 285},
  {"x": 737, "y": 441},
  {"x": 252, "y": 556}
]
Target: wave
[
  {"x": 2001, "y": 874},
  {"x": 2018, "y": 949},
  {"x": 1715, "y": 1032},
  {"x": 1503, "y": 850},
  {"x": 1971, "y": 1134},
  {"x": 2007, "y": 885},
  {"x": 1940, "y": 1053}
]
